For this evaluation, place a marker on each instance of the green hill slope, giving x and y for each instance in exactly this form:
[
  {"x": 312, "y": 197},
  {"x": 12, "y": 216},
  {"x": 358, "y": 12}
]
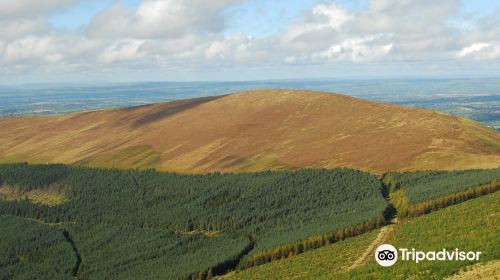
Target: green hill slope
[{"x": 472, "y": 225}]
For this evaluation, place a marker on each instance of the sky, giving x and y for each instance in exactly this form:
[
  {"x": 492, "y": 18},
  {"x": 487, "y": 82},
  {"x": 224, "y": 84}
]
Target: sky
[{"x": 183, "y": 40}]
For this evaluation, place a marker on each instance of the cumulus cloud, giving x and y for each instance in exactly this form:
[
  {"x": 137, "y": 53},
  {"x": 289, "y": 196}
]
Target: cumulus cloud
[
  {"x": 156, "y": 31},
  {"x": 160, "y": 19},
  {"x": 30, "y": 8},
  {"x": 24, "y": 17},
  {"x": 191, "y": 34},
  {"x": 238, "y": 49},
  {"x": 385, "y": 29},
  {"x": 356, "y": 49},
  {"x": 472, "y": 49},
  {"x": 122, "y": 51},
  {"x": 321, "y": 20},
  {"x": 482, "y": 51},
  {"x": 11, "y": 29}
]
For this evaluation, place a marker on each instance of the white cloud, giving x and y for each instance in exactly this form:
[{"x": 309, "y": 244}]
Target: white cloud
[
  {"x": 336, "y": 16},
  {"x": 122, "y": 51},
  {"x": 20, "y": 18},
  {"x": 11, "y": 29},
  {"x": 191, "y": 34},
  {"x": 481, "y": 51},
  {"x": 356, "y": 49},
  {"x": 405, "y": 17},
  {"x": 158, "y": 31},
  {"x": 316, "y": 30},
  {"x": 159, "y": 19},
  {"x": 320, "y": 17},
  {"x": 30, "y": 8},
  {"x": 236, "y": 48},
  {"x": 472, "y": 48},
  {"x": 25, "y": 17},
  {"x": 384, "y": 30},
  {"x": 29, "y": 48}
]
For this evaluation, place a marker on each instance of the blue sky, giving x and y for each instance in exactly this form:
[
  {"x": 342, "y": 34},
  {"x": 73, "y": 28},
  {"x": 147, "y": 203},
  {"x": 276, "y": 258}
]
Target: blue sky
[
  {"x": 275, "y": 15},
  {"x": 76, "y": 16},
  {"x": 123, "y": 40}
]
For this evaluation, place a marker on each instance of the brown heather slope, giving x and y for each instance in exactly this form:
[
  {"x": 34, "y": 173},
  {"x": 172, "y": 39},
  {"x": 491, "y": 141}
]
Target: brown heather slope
[{"x": 249, "y": 131}]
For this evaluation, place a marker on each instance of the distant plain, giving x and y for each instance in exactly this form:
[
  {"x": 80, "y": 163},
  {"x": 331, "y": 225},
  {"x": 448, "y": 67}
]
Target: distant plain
[{"x": 477, "y": 99}]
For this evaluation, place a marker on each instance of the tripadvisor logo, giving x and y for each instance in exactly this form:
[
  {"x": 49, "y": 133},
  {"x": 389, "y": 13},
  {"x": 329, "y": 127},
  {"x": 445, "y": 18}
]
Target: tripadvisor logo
[{"x": 387, "y": 255}]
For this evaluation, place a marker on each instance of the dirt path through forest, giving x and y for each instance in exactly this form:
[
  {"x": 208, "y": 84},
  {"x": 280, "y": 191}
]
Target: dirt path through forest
[{"x": 383, "y": 236}]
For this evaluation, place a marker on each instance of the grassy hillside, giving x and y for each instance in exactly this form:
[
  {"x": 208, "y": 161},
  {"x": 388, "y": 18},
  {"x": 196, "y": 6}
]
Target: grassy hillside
[
  {"x": 322, "y": 263},
  {"x": 252, "y": 131},
  {"x": 472, "y": 225},
  {"x": 145, "y": 224},
  {"x": 469, "y": 226}
]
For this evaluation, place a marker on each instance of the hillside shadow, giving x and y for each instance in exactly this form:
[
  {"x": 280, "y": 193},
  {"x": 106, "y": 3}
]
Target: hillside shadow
[{"x": 172, "y": 108}]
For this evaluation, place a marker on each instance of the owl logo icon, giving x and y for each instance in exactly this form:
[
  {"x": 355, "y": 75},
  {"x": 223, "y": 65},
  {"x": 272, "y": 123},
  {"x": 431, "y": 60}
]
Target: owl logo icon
[{"x": 386, "y": 255}]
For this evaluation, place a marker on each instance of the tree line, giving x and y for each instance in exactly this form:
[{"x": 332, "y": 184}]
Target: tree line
[{"x": 405, "y": 209}]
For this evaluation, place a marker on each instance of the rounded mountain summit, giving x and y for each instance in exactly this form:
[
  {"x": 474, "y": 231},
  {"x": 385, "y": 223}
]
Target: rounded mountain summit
[{"x": 254, "y": 130}]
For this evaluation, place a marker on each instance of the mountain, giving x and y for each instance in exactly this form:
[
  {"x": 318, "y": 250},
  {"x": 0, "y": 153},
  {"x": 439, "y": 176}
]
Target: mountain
[{"x": 255, "y": 130}]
